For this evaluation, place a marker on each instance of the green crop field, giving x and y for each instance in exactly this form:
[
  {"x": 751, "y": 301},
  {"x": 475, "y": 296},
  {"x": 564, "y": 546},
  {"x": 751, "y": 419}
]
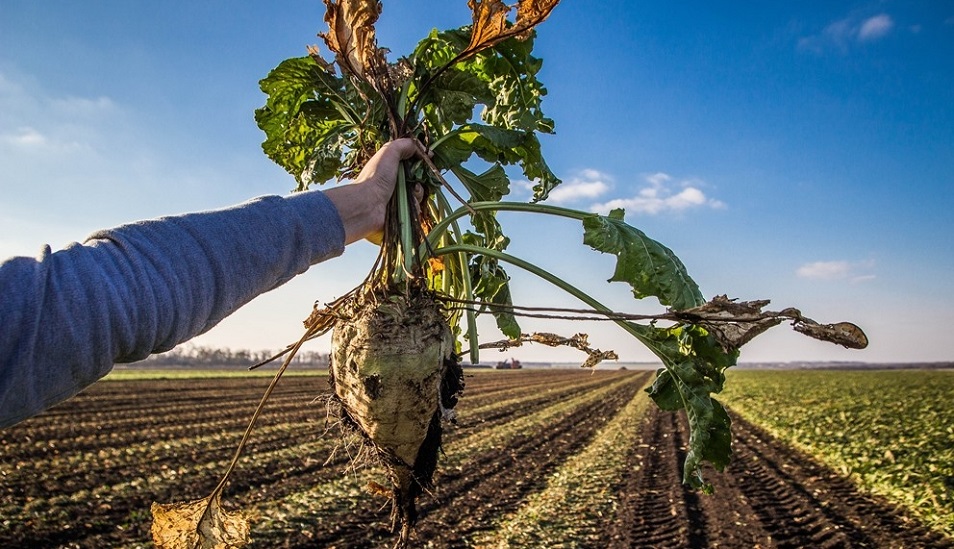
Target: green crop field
[{"x": 892, "y": 432}]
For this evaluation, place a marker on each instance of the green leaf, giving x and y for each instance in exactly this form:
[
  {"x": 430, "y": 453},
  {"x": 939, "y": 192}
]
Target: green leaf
[
  {"x": 503, "y": 79},
  {"x": 493, "y": 144},
  {"x": 451, "y": 151},
  {"x": 492, "y": 285},
  {"x": 491, "y": 282},
  {"x": 290, "y": 136},
  {"x": 665, "y": 392},
  {"x": 439, "y": 48},
  {"x": 511, "y": 73},
  {"x": 648, "y": 266},
  {"x": 492, "y": 185},
  {"x": 536, "y": 168},
  {"x": 452, "y": 97},
  {"x": 310, "y": 120},
  {"x": 695, "y": 367},
  {"x": 488, "y": 186},
  {"x": 518, "y": 147}
]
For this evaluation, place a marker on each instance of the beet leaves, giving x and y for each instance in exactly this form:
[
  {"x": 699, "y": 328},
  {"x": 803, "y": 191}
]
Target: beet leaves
[{"x": 473, "y": 93}]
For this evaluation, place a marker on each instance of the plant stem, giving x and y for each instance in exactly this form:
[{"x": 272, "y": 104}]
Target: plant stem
[
  {"x": 445, "y": 223},
  {"x": 631, "y": 328},
  {"x": 636, "y": 330},
  {"x": 258, "y": 412},
  {"x": 404, "y": 218},
  {"x": 467, "y": 283}
]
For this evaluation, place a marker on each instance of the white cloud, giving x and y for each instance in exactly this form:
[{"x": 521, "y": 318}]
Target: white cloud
[
  {"x": 658, "y": 179},
  {"x": 588, "y": 184},
  {"x": 87, "y": 162},
  {"x": 837, "y": 270},
  {"x": 875, "y": 27},
  {"x": 25, "y": 137},
  {"x": 839, "y": 30},
  {"x": 824, "y": 270},
  {"x": 842, "y": 34},
  {"x": 659, "y": 196}
]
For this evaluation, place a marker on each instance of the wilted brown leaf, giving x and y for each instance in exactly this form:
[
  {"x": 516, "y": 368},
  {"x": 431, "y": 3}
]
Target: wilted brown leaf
[
  {"x": 578, "y": 341},
  {"x": 531, "y": 13},
  {"x": 845, "y": 334},
  {"x": 315, "y": 54},
  {"x": 198, "y": 524},
  {"x": 490, "y": 22},
  {"x": 733, "y": 323},
  {"x": 351, "y": 35}
]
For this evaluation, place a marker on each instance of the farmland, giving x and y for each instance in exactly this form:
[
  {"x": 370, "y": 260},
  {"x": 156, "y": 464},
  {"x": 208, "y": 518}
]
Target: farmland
[
  {"x": 891, "y": 432},
  {"x": 537, "y": 458}
]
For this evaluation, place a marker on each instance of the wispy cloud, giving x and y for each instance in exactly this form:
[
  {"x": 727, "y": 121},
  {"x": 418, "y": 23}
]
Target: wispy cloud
[
  {"x": 844, "y": 33},
  {"x": 662, "y": 193},
  {"x": 27, "y": 139},
  {"x": 854, "y": 271},
  {"x": 93, "y": 153},
  {"x": 24, "y": 137},
  {"x": 39, "y": 121},
  {"x": 875, "y": 27}
]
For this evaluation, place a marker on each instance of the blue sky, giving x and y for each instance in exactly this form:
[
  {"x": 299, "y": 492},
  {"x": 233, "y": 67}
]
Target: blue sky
[{"x": 802, "y": 153}]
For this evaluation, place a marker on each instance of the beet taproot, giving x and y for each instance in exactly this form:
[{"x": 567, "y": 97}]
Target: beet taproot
[{"x": 396, "y": 376}]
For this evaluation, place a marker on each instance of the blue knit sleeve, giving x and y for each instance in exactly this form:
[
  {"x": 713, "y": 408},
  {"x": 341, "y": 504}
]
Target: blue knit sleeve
[{"x": 67, "y": 317}]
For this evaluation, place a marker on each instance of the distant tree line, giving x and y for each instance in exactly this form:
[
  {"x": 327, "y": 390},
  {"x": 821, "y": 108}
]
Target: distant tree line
[{"x": 194, "y": 355}]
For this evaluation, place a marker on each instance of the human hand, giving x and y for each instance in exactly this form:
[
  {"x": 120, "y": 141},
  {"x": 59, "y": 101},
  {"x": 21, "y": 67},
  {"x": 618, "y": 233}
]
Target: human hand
[{"x": 362, "y": 205}]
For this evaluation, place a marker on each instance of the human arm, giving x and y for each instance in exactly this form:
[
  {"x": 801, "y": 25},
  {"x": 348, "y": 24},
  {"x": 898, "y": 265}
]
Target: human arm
[
  {"x": 67, "y": 317},
  {"x": 127, "y": 292}
]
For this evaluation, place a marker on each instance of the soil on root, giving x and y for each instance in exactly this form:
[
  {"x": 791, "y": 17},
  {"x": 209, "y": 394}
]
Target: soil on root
[{"x": 769, "y": 496}]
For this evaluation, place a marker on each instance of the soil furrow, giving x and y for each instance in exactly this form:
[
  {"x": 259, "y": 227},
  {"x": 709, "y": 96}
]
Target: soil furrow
[
  {"x": 486, "y": 486},
  {"x": 652, "y": 509},
  {"x": 460, "y": 510},
  {"x": 84, "y": 475},
  {"x": 769, "y": 496},
  {"x": 803, "y": 503}
]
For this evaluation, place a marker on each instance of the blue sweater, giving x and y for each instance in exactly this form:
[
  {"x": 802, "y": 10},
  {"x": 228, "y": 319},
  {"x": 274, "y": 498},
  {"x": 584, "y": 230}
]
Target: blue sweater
[{"x": 67, "y": 317}]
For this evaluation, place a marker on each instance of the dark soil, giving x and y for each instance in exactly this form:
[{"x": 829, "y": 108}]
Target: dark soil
[
  {"x": 769, "y": 496},
  {"x": 53, "y": 469}
]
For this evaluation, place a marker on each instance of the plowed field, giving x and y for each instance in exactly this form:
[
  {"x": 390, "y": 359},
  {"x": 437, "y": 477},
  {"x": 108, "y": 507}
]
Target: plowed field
[{"x": 538, "y": 458}]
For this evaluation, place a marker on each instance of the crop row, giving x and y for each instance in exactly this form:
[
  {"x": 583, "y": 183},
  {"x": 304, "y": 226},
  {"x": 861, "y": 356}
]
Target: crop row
[
  {"x": 581, "y": 495},
  {"x": 892, "y": 432},
  {"x": 99, "y": 479},
  {"x": 465, "y": 457}
]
